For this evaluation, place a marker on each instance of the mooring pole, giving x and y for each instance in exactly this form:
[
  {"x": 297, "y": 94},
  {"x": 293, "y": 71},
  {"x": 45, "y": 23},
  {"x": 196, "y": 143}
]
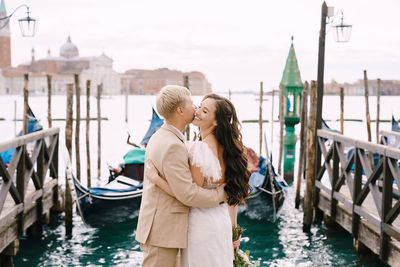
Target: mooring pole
[
  {"x": 126, "y": 106},
  {"x": 366, "y": 93},
  {"x": 186, "y": 84},
  {"x": 78, "y": 126},
  {"x": 88, "y": 174},
  {"x": 311, "y": 156},
  {"x": 303, "y": 146},
  {"x": 68, "y": 143},
  {"x": 15, "y": 117},
  {"x": 26, "y": 95},
  {"x": 272, "y": 117},
  {"x": 99, "y": 89},
  {"x": 282, "y": 125},
  {"x": 320, "y": 96},
  {"x": 49, "y": 100},
  {"x": 378, "y": 108},
  {"x": 341, "y": 110}
]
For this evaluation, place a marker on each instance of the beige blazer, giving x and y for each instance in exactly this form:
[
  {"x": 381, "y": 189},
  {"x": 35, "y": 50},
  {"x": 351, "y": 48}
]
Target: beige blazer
[{"x": 163, "y": 220}]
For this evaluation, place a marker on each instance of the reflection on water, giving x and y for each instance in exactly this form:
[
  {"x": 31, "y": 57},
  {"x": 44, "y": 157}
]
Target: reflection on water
[{"x": 279, "y": 244}]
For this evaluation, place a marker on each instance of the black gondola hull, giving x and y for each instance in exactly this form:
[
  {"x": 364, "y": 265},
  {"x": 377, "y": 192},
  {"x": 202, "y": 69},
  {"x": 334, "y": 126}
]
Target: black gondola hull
[
  {"x": 101, "y": 210},
  {"x": 259, "y": 206}
]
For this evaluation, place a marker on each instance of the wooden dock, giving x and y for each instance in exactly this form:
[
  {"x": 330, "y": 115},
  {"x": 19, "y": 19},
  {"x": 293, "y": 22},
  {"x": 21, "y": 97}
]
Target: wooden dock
[
  {"x": 360, "y": 197},
  {"x": 28, "y": 188}
]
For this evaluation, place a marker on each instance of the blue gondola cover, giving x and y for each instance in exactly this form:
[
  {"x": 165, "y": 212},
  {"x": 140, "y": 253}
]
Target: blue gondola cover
[
  {"x": 156, "y": 123},
  {"x": 33, "y": 126}
]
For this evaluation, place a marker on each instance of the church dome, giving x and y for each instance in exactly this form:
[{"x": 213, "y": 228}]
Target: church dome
[{"x": 69, "y": 50}]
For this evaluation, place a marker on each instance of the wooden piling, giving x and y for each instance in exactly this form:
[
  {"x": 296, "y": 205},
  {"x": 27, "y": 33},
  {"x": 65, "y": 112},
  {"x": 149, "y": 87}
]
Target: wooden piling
[
  {"x": 341, "y": 110},
  {"x": 308, "y": 193},
  {"x": 126, "y": 106},
  {"x": 230, "y": 94},
  {"x": 49, "y": 100},
  {"x": 186, "y": 84},
  {"x": 26, "y": 94},
  {"x": 272, "y": 117},
  {"x": 282, "y": 125},
  {"x": 78, "y": 126},
  {"x": 15, "y": 117},
  {"x": 99, "y": 89},
  {"x": 303, "y": 138},
  {"x": 368, "y": 116},
  {"x": 88, "y": 174},
  {"x": 68, "y": 143},
  {"x": 378, "y": 108},
  {"x": 260, "y": 120}
]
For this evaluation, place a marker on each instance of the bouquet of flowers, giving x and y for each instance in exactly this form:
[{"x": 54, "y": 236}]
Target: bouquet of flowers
[{"x": 240, "y": 258}]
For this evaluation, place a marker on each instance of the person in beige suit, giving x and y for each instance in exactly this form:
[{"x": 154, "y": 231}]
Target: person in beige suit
[{"x": 163, "y": 219}]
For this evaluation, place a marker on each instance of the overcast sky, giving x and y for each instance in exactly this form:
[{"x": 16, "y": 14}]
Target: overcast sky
[{"x": 236, "y": 44}]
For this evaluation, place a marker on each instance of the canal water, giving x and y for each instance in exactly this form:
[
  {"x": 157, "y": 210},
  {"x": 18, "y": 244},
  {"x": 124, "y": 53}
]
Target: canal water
[{"x": 280, "y": 244}]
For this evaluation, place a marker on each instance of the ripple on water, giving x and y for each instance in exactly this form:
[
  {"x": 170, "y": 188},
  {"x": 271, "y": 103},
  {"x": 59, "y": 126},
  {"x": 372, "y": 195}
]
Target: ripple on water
[{"x": 279, "y": 244}]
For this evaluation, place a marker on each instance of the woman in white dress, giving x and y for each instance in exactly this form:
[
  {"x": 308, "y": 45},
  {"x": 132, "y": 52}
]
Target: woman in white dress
[{"x": 217, "y": 160}]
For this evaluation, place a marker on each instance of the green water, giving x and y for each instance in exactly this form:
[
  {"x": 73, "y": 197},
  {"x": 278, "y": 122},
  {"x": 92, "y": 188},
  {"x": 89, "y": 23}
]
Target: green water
[{"x": 279, "y": 244}]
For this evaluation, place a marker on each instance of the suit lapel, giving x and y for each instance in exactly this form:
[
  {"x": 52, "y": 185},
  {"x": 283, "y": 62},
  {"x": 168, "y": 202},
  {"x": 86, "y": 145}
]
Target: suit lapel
[{"x": 172, "y": 129}]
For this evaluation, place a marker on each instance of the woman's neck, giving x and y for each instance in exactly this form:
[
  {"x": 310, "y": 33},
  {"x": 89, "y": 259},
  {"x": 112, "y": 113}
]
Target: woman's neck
[{"x": 206, "y": 134}]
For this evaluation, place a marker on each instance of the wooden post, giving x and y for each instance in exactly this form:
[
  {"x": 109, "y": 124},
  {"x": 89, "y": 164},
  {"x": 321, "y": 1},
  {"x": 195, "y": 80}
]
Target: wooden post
[
  {"x": 230, "y": 94},
  {"x": 49, "y": 100},
  {"x": 99, "y": 89},
  {"x": 78, "y": 126},
  {"x": 21, "y": 169},
  {"x": 341, "y": 110},
  {"x": 260, "y": 120},
  {"x": 320, "y": 97},
  {"x": 303, "y": 138},
  {"x": 126, "y": 106},
  {"x": 68, "y": 143},
  {"x": 186, "y": 84},
  {"x": 378, "y": 108},
  {"x": 368, "y": 116},
  {"x": 88, "y": 174},
  {"x": 282, "y": 125},
  {"x": 15, "y": 117},
  {"x": 308, "y": 193},
  {"x": 272, "y": 117},
  {"x": 26, "y": 94}
]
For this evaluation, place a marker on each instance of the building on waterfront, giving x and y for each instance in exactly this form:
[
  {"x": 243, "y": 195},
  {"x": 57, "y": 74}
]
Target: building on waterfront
[
  {"x": 139, "y": 81},
  {"x": 62, "y": 68},
  {"x": 388, "y": 87},
  {"x": 98, "y": 69}
]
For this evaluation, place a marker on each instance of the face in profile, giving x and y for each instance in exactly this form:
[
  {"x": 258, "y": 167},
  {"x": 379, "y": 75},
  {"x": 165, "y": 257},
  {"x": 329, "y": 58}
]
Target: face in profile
[
  {"x": 188, "y": 109},
  {"x": 205, "y": 114}
]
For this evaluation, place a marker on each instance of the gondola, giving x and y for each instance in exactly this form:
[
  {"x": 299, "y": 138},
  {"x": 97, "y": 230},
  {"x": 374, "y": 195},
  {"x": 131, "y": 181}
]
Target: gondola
[
  {"x": 119, "y": 199},
  {"x": 267, "y": 195},
  {"x": 268, "y": 189}
]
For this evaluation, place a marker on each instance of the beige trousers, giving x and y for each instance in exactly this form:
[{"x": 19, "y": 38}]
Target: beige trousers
[{"x": 160, "y": 257}]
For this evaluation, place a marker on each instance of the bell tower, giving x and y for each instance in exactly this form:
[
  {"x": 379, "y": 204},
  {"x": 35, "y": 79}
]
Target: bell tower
[{"x": 5, "y": 44}]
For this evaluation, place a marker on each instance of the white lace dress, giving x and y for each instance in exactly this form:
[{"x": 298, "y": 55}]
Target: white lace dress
[{"x": 210, "y": 229}]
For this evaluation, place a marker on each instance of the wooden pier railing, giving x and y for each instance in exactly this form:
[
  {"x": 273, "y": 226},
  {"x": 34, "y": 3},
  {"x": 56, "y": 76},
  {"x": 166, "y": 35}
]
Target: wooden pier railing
[
  {"x": 28, "y": 188},
  {"x": 359, "y": 195}
]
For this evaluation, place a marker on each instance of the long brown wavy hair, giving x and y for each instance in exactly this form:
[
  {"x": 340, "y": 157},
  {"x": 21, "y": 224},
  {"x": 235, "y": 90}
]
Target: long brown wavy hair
[{"x": 228, "y": 135}]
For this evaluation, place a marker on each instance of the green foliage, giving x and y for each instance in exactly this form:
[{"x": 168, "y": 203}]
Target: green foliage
[{"x": 240, "y": 258}]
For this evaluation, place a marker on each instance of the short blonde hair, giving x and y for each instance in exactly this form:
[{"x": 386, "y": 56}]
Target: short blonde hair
[{"x": 170, "y": 98}]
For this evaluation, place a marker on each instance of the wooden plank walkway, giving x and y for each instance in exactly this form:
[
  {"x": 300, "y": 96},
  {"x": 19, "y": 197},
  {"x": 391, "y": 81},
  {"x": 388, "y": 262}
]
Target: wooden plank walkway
[
  {"x": 359, "y": 196},
  {"x": 28, "y": 188}
]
